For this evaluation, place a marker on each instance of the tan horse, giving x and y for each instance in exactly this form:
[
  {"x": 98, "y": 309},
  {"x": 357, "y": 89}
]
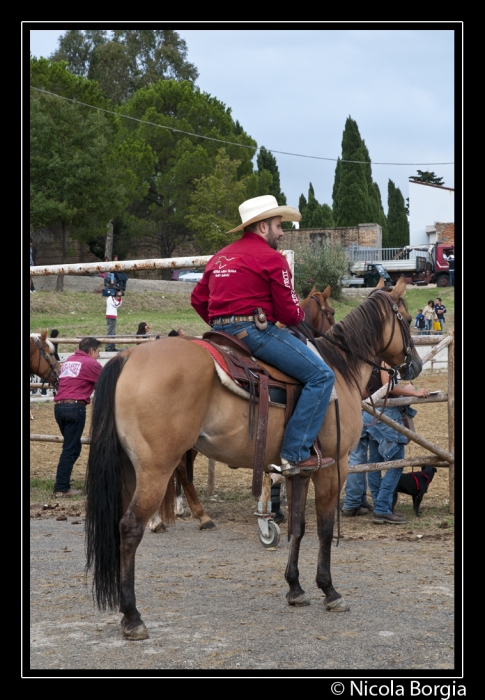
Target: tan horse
[
  {"x": 138, "y": 439},
  {"x": 320, "y": 315}
]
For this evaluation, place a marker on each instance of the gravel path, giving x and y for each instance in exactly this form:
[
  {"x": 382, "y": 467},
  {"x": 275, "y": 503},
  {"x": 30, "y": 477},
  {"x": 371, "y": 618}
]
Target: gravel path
[{"x": 216, "y": 601}]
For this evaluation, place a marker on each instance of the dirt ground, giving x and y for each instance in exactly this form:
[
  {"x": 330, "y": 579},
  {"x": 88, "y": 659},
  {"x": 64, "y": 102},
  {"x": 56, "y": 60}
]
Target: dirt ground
[
  {"x": 232, "y": 500},
  {"x": 215, "y": 600}
]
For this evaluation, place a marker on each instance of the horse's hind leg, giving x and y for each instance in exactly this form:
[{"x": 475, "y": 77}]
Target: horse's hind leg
[
  {"x": 146, "y": 500},
  {"x": 296, "y": 595},
  {"x": 326, "y": 498},
  {"x": 196, "y": 509}
]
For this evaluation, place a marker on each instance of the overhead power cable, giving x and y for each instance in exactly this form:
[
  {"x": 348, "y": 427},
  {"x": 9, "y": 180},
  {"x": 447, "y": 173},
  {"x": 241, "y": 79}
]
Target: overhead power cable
[{"x": 230, "y": 143}]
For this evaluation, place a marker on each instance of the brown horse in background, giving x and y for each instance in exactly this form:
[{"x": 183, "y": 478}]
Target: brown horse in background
[
  {"x": 43, "y": 362},
  {"x": 137, "y": 441}
]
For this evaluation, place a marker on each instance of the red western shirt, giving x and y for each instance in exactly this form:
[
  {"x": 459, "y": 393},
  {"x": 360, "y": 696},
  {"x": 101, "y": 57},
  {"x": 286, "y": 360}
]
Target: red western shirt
[
  {"x": 243, "y": 276},
  {"x": 79, "y": 373}
]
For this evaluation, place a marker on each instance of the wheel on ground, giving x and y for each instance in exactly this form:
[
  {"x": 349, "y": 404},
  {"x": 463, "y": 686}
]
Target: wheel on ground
[
  {"x": 442, "y": 281},
  {"x": 273, "y": 537}
]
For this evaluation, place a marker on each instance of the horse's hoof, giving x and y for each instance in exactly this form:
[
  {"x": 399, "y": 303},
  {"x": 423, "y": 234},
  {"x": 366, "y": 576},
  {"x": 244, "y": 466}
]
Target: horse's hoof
[
  {"x": 208, "y": 525},
  {"x": 135, "y": 634},
  {"x": 160, "y": 527},
  {"x": 300, "y": 600},
  {"x": 338, "y": 605}
]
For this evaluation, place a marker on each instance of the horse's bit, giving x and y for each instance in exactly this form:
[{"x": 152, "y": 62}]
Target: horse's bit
[{"x": 47, "y": 358}]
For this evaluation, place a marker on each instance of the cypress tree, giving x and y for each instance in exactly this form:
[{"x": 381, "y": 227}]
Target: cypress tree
[
  {"x": 397, "y": 221},
  {"x": 352, "y": 196}
]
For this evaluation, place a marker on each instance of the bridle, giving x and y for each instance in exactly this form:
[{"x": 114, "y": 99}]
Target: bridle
[
  {"x": 330, "y": 318},
  {"x": 47, "y": 358},
  {"x": 408, "y": 342}
]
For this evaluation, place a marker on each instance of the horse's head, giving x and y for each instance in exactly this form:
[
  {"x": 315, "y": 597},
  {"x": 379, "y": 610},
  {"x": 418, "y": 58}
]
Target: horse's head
[
  {"x": 43, "y": 362},
  {"x": 318, "y": 312},
  {"x": 398, "y": 349}
]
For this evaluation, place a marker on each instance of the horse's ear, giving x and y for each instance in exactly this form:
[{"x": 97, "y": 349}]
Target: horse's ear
[
  {"x": 327, "y": 292},
  {"x": 44, "y": 335},
  {"x": 399, "y": 289},
  {"x": 380, "y": 284},
  {"x": 313, "y": 291}
]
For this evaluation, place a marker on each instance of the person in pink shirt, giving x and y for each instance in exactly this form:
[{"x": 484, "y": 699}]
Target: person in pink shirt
[
  {"x": 77, "y": 379},
  {"x": 246, "y": 288}
]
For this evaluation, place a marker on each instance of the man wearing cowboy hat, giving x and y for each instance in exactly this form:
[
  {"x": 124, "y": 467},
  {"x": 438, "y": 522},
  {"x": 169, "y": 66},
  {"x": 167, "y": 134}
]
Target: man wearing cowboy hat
[{"x": 250, "y": 275}]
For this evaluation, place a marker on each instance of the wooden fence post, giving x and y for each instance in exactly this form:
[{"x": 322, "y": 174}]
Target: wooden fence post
[{"x": 451, "y": 418}]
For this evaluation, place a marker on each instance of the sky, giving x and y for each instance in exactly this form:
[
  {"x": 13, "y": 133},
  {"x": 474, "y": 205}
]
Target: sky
[{"x": 292, "y": 90}]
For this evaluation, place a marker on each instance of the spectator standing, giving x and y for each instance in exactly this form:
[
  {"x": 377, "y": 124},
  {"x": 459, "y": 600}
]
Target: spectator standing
[
  {"x": 420, "y": 322},
  {"x": 120, "y": 278},
  {"x": 440, "y": 310},
  {"x": 451, "y": 269},
  {"x": 112, "y": 305},
  {"x": 430, "y": 316},
  {"x": 78, "y": 377},
  {"x": 174, "y": 332},
  {"x": 379, "y": 443}
]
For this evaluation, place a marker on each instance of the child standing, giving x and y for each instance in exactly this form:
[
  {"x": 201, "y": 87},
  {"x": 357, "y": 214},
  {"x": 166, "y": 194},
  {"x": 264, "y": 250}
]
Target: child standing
[
  {"x": 420, "y": 322},
  {"x": 112, "y": 304}
]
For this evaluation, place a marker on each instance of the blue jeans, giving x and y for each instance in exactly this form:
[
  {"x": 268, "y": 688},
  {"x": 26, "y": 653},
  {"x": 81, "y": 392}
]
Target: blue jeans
[
  {"x": 356, "y": 484},
  {"x": 381, "y": 487},
  {"x": 71, "y": 418},
  {"x": 282, "y": 350},
  {"x": 451, "y": 278}
]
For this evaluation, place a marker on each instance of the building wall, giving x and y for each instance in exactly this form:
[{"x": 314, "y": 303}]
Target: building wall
[
  {"x": 428, "y": 204},
  {"x": 363, "y": 235}
]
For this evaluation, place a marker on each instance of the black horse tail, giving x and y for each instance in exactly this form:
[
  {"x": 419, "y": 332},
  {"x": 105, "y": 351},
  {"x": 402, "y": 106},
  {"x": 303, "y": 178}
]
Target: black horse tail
[{"x": 104, "y": 484}]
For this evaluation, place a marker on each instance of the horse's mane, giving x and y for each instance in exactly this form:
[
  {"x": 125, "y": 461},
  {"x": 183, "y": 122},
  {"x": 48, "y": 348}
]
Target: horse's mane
[
  {"x": 36, "y": 336},
  {"x": 362, "y": 332}
]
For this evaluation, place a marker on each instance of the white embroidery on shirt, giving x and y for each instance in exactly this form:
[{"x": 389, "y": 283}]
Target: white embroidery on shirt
[{"x": 70, "y": 369}]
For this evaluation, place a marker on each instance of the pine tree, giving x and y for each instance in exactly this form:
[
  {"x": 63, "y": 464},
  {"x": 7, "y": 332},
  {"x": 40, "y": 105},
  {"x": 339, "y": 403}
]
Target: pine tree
[
  {"x": 427, "y": 176},
  {"x": 397, "y": 221},
  {"x": 313, "y": 214}
]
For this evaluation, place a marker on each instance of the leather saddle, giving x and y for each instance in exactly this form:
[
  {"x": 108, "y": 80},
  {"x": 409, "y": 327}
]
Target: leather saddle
[{"x": 264, "y": 383}]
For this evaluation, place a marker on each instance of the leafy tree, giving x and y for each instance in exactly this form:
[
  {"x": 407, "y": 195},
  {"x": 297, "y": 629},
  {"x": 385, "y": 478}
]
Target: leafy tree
[
  {"x": 128, "y": 60},
  {"x": 180, "y": 159},
  {"x": 81, "y": 172},
  {"x": 397, "y": 221},
  {"x": 427, "y": 176},
  {"x": 319, "y": 263},
  {"x": 214, "y": 204},
  {"x": 352, "y": 199}
]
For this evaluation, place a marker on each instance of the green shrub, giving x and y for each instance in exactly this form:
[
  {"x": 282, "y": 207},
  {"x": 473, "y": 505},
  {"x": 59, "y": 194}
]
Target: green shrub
[{"x": 319, "y": 263}]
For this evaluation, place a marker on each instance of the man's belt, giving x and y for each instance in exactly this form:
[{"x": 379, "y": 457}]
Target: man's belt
[
  {"x": 71, "y": 401},
  {"x": 223, "y": 320}
]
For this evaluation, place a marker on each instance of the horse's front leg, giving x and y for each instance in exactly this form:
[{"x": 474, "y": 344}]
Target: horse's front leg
[
  {"x": 296, "y": 595},
  {"x": 326, "y": 499}
]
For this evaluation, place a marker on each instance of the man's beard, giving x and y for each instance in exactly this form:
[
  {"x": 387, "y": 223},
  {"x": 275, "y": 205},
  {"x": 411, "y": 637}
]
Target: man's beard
[{"x": 272, "y": 240}]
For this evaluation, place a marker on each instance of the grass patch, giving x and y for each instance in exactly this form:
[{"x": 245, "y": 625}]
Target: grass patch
[
  {"x": 77, "y": 314},
  {"x": 42, "y": 490}
]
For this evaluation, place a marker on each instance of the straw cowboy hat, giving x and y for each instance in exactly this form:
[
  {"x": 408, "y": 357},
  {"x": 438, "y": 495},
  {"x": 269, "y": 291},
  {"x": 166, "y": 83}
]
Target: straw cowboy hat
[{"x": 264, "y": 207}]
